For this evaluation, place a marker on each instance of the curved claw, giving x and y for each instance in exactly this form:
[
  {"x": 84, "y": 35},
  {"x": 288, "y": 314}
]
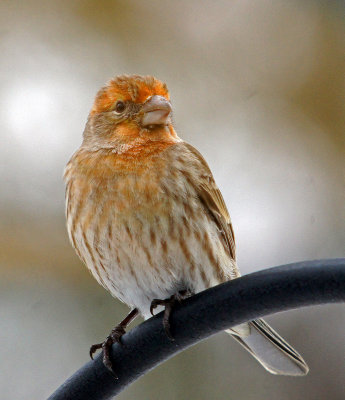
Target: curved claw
[
  {"x": 94, "y": 348},
  {"x": 155, "y": 303},
  {"x": 114, "y": 337},
  {"x": 106, "y": 346},
  {"x": 169, "y": 305}
]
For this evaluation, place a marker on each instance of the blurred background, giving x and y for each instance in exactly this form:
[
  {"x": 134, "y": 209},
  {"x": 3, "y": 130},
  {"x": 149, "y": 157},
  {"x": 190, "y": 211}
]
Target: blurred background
[{"x": 258, "y": 87}]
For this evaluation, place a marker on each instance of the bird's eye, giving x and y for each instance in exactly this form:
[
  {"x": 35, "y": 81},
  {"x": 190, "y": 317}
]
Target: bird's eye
[{"x": 120, "y": 107}]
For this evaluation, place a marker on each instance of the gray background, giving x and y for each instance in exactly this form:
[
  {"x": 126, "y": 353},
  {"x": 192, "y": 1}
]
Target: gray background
[{"x": 258, "y": 87}]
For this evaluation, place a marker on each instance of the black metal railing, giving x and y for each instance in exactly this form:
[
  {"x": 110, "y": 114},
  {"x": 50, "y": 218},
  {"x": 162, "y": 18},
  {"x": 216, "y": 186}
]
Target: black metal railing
[{"x": 198, "y": 317}]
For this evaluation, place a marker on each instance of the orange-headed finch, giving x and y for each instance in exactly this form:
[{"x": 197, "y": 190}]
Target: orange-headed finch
[{"x": 146, "y": 217}]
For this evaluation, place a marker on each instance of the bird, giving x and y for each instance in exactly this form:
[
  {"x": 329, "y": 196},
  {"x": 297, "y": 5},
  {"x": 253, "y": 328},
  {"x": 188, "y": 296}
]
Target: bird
[{"x": 146, "y": 217}]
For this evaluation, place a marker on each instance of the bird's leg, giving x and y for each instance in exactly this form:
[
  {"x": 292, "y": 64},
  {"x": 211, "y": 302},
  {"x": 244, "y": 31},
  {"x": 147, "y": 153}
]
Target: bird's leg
[
  {"x": 168, "y": 305},
  {"x": 114, "y": 337}
]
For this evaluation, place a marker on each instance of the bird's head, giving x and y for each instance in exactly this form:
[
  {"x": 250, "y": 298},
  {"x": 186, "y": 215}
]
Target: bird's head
[{"x": 128, "y": 110}]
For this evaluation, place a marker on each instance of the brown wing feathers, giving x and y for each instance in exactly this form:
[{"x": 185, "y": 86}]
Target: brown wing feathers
[{"x": 213, "y": 201}]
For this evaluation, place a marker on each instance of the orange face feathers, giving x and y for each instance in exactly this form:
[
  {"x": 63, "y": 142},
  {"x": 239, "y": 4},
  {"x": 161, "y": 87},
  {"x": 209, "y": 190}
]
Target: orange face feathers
[
  {"x": 129, "y": 111},
  {"x": 134, "y": 88}
]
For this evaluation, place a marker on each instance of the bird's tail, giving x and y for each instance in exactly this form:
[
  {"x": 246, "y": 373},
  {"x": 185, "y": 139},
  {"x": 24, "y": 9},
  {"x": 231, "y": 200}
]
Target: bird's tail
[{"x": 269, "y": 348}]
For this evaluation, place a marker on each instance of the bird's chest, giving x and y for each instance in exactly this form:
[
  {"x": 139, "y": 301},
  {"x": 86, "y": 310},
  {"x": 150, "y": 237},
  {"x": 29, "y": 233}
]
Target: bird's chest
[
  {"x": 143, "y": 214},
  {"x": 135, "y": 237},
  {"x": 138, "y": 196},
  {"x": 143, "y": 235}
]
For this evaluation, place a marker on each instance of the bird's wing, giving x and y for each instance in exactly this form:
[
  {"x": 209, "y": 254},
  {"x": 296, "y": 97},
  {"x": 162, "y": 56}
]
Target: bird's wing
[{"x": 213, "y": 201}]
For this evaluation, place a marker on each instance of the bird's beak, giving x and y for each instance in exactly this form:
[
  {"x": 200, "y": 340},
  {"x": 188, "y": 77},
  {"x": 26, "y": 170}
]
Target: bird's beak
[{"x": 156, "y": 111}]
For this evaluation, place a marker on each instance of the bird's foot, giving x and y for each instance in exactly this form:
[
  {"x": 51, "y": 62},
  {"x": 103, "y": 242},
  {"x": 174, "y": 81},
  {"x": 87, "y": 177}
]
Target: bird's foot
[
  {"x": 114, "y": 337},
  {"x": 168, "y": 305}
]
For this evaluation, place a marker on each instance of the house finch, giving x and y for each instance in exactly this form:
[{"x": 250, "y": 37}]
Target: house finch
[{"x": 146, "y": 217}]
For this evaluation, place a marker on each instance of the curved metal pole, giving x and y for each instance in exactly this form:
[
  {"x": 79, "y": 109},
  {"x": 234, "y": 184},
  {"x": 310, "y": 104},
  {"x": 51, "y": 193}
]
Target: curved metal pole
[{"x": 226, "y": 305}]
